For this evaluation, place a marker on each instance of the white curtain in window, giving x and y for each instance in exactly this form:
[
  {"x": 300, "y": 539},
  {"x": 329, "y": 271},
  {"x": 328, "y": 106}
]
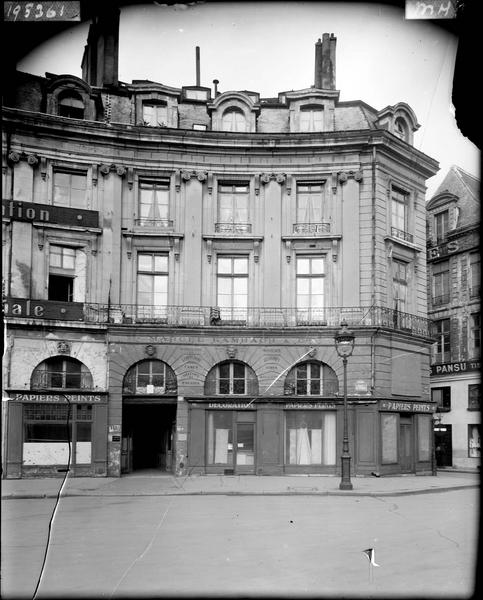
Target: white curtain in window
[
  {"x": 303, "y": 446},
  {"x": 329, "y": 439},
  {"x": 221, "y": 446}
]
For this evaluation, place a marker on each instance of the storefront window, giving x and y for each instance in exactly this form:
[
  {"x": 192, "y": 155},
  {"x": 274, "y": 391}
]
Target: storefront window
[
  {"x": 424, "y": 429},
  {"x": 220, "y": 438},
  {"x": 474, "y": 441},
  {"x": 48, "y": 428},
  {"x": 389, "y": 438},
  {"x": 310, "y": 437}
]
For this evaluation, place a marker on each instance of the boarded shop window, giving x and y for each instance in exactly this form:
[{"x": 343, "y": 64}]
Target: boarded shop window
[
  {"x": 474, "y": 395},
  {"x": 48, "y": 429},
  {"x": 310, "y": 437},
  {"x": 474, "y": 441},
  {"x": 389, "y": 438},
  {"x": 424, "y": 433},
  {"x": 220, "y": 438}
]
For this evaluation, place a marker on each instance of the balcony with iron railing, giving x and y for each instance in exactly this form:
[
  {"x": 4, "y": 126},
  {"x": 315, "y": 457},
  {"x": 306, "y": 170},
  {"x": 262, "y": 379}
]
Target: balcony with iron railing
[
  {"x": 233, "y": 228},
  {"x": 61, "y": 380},
  {"x": 311, "y": 228},
  {"x": 158, "y": 224},
  {"x": 402, "y": 235}
]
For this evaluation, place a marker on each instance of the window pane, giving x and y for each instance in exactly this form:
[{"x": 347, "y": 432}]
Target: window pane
[
  {"x": 160, "y": 263},
  {"x": 240, "y": 265},
  {"x": 145, "y": 262},
  {"x": 389, "y": 438},
  {"x": 224, "y": 265},
  {"x": 238, "y": 370},
  {"x": 303, "y": 266}
]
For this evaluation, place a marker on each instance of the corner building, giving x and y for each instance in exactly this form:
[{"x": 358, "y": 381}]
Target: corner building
[
  {"x": 178, "y": 261},
  {"x": 454, "y": 276}
]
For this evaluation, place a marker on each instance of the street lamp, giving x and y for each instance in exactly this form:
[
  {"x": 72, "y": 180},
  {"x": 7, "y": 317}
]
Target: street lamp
[{"x": 344, "y": 344}]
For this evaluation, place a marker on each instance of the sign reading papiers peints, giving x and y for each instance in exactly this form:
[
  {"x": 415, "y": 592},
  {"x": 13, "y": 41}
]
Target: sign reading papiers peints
[
  {"x": 417, "y": 407},
  {"x": 58, "y": 398}
]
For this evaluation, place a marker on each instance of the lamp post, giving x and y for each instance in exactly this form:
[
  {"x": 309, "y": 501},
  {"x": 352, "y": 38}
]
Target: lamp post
[{"x": 344, "y": 344}]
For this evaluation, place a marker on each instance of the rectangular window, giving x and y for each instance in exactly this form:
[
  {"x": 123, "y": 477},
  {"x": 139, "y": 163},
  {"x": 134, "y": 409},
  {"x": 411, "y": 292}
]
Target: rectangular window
[
  {"x": 474, "y": 395},
  {"x": 474, "y": 441},
  {"x": 232, "y": 284},
  {"x": 440, "y": 283},
  {"x": 400, "y": 214},
  {"x": 310, "y": 437},
  {"x": 475, "y": 335},
  {"x": 152, "y": 286},
  {"x": 61, "y": 273},
  {"x": 48, "y": 429},
  {"x": 311, "y": 119},
  {"x": 233, "y": 204},
  {"x": 310, "y": 288},
  {"x": 442, "y": 397},
  {"x": 389, "y": 438},
  {"x": 442, "y": 347},
  {"x": 70, "y": 189},
  {"x": 424, "y": 425},
  {"x": 153, "y": 208},
  {"x": 475, "y": 275},
  {"x": 155, "y": 115},
  {"x": 310, "y": 204},
  {"x": 400, "y": 285},
  {"x": 220, "y": 438},
  {"x": 441, "y": 221}
]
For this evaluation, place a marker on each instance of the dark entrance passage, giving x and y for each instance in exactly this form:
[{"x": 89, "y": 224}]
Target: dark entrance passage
[
  {"x": 147, "y": 436},
  {"x": 444, "y": 445}
]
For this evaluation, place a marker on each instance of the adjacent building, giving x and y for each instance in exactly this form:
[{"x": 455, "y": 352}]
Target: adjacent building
[
  {"x": 177, "y": 262},
  {"x": 453, "y": 221}
]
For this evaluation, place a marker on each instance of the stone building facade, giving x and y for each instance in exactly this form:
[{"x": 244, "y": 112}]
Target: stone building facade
[
  {"x": 453, "y": 221},
  {"x": 177, "y": 262}
]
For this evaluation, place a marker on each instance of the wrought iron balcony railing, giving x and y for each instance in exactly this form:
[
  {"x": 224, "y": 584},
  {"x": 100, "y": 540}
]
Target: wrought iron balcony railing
[
  {"x": 61, "y": 380},
  {"x": 311, "y": 228},
  {"x": 402, "y": 235},
  {"x": 165, "y": 224},
  {"x": 203, "y": 316},
  {"x": 233, "y": 228},
  {"x": 200, "y": 316}
]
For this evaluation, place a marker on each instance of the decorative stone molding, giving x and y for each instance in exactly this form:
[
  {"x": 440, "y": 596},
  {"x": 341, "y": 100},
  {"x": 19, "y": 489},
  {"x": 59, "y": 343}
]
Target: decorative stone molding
[
  {"x": 150, "y": 350},
  {"x": 334, "y": 183},
  {"x": 121, "y": 171},
  {"x": 358, "y": 176},
  {"x": 41, "y": 238},
  {"x": 342, "y": 177},
  {"x": 312, "y": 352},
  {"x": 288, "y": 184},
  {"x": 176, "y": 249},
  {"x": 335, "y": 250},
  {"x": 256, "y": 251},
  {"x": 201, "y": 175},
  {"x": 231, "y": 352},
  {"x": 105, "y": 169},
  {"x": 63, "y": 347},
  {"x": 265, "y": 178},
  {"x": 186, "y": 175},
  {"x": 177, "y": 180},
  {"x": 32, "y": 160},
  {"x": 278, "y": 177},
  {"x": 288, "y": 248},
  {"x": 130, "y": 177},
  {"x": 257, "y": 185},
  {"x": 14, "y": 157},
  {"x": 209, "y": 250},
  {"x": 93, "y": 246},
  {"x": 129, "y": 245},
  {"x": 95, "y": 175},
  {"x": 210, "y": 182}
]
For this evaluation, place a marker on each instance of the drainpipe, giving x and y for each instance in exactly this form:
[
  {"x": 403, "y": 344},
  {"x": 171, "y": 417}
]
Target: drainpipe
[{"x": 373, "y": 224}]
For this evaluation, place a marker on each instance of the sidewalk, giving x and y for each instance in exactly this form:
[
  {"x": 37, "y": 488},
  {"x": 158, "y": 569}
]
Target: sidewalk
[{"x": 152, "y": 483}]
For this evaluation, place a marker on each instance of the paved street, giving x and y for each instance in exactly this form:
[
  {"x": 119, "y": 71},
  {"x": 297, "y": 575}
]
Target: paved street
[{"x": 283, "y": 545}]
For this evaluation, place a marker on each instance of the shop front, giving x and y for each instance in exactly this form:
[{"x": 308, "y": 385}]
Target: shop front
[{"x": 52, "y": 433}]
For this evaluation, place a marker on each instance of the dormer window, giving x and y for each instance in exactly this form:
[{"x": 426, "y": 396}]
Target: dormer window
[
  {"x": 234, "y": 120},
  {"x": 155, "y": 115},
  {"x": 311, "y": 118},
  {"x": 71, "y": 106},
  {"x": 401, "y": 129}
]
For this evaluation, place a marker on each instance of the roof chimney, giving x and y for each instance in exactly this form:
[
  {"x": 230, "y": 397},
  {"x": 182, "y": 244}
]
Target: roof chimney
[
  {"x": 325, "y": 62},
  {"x": 101, "y": 54},
  {"x": 198, "y": 66}
]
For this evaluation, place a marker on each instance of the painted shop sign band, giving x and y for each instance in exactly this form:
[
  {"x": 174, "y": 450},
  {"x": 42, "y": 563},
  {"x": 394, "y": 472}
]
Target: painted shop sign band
[
  {"x": 229, "y": 405},
  {"x": 47, "y": 213},
  {"x": 43, "y": 309},
  {"x": 407, "y": 406},
  {"x": 458, "y": 367},
  {"x": 310, "y": 405},
  {"x": 60, "y": 398}
]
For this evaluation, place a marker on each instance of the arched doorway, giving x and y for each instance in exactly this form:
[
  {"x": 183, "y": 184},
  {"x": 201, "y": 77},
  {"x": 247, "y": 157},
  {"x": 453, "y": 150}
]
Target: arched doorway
[{"x": 148, "y": 417}]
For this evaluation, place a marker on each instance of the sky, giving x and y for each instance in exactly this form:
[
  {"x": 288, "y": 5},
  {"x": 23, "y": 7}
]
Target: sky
[{"x": 269, "y": 47}]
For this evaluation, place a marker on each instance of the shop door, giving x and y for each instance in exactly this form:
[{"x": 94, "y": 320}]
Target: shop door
[
  {"x": 245, "y": 448},
  {"x": 444, "y": 446},
  {"x": 126, "y": 454},
  {"x": 405, "y": 445}
]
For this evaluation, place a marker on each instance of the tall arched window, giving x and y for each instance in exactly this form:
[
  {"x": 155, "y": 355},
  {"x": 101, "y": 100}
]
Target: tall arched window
[
  {"x": 231, "y": 378},
  {"x": 311, "y": 378},
  {"x": 234, "y": 120},
  {"x": 71, "y": 105},
  {"x": 150, "y": 377},
  {"x": 62, "y": 372}
]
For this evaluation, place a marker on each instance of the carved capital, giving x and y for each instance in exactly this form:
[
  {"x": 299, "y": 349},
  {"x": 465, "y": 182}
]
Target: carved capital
[
  {"x": 185, "y": 175},
  {"x": 265, "y": 178},
  {"x": 32, "y": 160},
  {"x": 358, "y": 176},
  {"x": 342, "y": 177},
  {"x": 104, "y": 169},
  {"x": 280, "y": 178},
  {"x": 14, "y": 157},
  {"x": 201, "y": 175},
  {"x": 121, "y": 171}
]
